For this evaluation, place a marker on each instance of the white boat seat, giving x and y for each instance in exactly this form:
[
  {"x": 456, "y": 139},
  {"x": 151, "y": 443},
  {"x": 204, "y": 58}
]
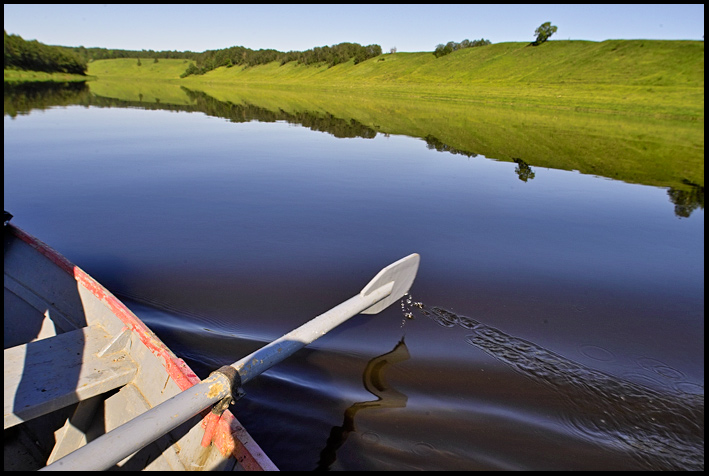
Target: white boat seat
[{"x": 52, "y": 373}]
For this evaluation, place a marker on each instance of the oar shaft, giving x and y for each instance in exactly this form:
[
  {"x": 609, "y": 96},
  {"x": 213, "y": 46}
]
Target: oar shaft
[
  {"x": 109, "y": 449},
  {"x": 267, "y": 356}
]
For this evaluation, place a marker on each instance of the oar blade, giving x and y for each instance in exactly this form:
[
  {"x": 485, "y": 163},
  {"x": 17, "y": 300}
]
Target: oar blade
[{"x": 401, "y": 273}]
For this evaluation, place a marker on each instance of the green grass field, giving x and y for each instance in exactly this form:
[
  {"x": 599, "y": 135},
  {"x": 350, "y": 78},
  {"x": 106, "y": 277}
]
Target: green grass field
[
  {"x": 627, "y": 62},
  {"x": 163, "y": 70},
  {"x": 19, "y": 76}
]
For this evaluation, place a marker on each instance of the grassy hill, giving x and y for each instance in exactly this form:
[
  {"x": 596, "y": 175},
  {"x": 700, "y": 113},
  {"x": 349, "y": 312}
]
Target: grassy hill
[
  {"x": 164, "y": 69},
  {"x": 638, "y": 77},
  {"x": 617, "y": 62}
]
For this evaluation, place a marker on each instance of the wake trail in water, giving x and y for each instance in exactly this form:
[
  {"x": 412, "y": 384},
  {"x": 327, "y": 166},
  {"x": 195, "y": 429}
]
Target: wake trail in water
[{"x": 662, "y": 431}]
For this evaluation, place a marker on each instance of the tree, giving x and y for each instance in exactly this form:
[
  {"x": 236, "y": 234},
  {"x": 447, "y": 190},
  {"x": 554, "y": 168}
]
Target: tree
[
  {"x": 543, "y": 32},
  {"x": 451, "y": 46},
  {"x": 191, "y": 69},
  {"x": 36, "y": 56}
]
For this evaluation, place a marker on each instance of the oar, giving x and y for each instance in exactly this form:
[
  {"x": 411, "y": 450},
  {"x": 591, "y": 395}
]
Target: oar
[{"x": 388, "y": 286}]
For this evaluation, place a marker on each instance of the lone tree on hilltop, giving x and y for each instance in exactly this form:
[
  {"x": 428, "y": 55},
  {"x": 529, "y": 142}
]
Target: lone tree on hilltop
[{"x": 543, "y": 32}]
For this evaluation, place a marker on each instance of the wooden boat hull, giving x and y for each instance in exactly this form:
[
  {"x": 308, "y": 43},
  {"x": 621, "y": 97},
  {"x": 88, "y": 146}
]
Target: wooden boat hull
[{"x": 79, "y": 363}]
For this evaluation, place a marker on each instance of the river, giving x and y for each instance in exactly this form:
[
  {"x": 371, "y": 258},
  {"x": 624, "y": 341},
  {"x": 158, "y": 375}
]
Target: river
[{"x": 556, "y": 322}]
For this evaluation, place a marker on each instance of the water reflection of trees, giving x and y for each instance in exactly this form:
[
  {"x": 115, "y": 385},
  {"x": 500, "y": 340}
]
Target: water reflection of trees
[
  {"x": 434, "y": 143},
  {"x": 523, "y": 170},
  {"x": 686, "y": 201},
  {"x": 246, "y": 112},
  {"x": 21, "y": 98}
]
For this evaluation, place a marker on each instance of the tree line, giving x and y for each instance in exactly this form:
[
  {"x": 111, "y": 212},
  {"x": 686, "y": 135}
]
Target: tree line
[
  {"x": 92, "y": 54},
  {"x": 36, "y": 56},
  {"x": 451, "y": 46},
  {"x": 242, "y": 56}
]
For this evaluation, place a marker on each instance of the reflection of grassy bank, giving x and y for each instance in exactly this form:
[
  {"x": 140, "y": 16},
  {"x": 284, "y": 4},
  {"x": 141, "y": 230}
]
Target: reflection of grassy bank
[
  {"x": 670, "y": 102},
  {"x": 646, "y": 150},
  {"x": 637, "y": 149},
  {"x": 158, "y": 92}
]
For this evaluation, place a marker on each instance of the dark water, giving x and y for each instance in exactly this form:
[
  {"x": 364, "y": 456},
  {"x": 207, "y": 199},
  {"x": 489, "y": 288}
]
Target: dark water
[{"x": 556, "y": 322}]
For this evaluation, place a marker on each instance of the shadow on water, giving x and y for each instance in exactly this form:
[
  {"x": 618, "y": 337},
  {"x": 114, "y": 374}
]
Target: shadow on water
[
  {"x": 661, "y": 431},
  {"x": 374, "y": 382}
]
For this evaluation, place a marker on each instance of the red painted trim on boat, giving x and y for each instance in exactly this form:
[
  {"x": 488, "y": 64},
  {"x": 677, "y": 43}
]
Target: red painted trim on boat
[
  {"x": 229, "y": 430},
  {"x": 210, "y": 425},
  {"x": 233, "y": 438},
  {"x": 180, "y": 372}
]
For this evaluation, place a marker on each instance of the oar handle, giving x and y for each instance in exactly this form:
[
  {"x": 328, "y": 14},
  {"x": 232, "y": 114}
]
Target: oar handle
[{"x": 107, "y": 450}]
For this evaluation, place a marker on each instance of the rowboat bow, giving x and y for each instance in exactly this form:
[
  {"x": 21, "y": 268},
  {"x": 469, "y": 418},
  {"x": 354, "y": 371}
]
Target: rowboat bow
[{"x": 78, "y": 364}]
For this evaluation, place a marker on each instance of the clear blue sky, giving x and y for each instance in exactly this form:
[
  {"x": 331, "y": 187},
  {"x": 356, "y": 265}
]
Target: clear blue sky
[{"x": 301, "y": 27}]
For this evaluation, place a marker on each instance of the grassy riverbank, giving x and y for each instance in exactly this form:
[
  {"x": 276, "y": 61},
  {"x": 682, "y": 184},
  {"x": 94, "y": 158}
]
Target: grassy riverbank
[
  {"x": 20, "y": 76},
  {"x": 627, "y": 77}
]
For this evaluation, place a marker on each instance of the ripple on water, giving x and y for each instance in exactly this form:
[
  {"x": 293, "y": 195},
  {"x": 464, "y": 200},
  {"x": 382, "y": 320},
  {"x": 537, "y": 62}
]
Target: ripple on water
[
  {"x": 370, "y": 437},
  {"x": 597, "y": 353},
  {"x": 660, "y": 368},
  {"x": 423, "y": 449},
  {"x": 635, "y": 414}
]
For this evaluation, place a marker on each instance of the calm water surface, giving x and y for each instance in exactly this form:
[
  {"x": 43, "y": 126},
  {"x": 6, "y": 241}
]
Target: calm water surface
[{"x": 555, "y": 323}]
